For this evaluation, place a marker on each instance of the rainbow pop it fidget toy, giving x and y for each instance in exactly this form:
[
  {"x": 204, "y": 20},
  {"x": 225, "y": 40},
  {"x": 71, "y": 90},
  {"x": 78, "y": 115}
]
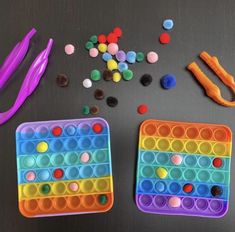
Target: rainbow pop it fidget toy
[
  {"x": 183, "y": 168},
  {"x": 64, "y": 167}
]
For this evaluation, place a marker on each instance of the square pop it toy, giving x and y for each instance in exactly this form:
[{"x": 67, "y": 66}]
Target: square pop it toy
[
  {"x": 64, "y": 167},
  {"x": 183, "y": 168}
]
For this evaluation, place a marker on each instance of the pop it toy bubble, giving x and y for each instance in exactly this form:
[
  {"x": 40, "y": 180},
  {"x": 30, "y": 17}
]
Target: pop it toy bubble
[
  {"x": 64, "y": 167},
  {"x": 183, "y": 168}
]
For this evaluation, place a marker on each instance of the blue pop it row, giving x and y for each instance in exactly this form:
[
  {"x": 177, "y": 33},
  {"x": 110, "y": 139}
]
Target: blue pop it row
[
  {"x": 60, "y": 145},
  {"x": 186, "y": 174},
  {"x": 38, "y": 131},
  {"x": 190, "y": 161},
  {"x": 156, "y": 186},
  {"x": 70, "y": 173}
]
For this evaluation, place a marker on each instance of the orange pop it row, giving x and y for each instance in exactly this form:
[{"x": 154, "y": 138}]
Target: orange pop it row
[
  {"x": 66, "y": 205},
  {"x": 184, "y": 130}
]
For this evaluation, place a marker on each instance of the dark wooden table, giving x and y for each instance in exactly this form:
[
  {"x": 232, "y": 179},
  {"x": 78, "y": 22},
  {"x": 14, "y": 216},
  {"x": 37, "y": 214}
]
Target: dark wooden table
[{"x": 199, "y": 25}]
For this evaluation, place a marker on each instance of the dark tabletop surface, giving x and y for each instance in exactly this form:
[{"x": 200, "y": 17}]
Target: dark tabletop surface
[{"x": 199, "y": 25}]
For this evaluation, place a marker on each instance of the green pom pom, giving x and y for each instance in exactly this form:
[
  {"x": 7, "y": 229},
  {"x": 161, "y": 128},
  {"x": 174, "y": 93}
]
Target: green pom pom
[
  {"x": 93, "y": 39},
  {"x": 103, "y": 199},
  {"x": 127, "y": 74},
  {"x": 45, "y": 188},
  {"x": 89, "y": 45},
  {"x": 140, "y": 56},
  {"x": 86, "y": 110},
  {"x": 95, "y": 75}
]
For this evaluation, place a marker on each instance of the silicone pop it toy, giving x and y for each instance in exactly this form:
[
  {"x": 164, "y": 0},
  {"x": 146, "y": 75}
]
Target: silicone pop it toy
[
  {"x": 64, "y": 167},
  {"x": 183, "y": 168}
]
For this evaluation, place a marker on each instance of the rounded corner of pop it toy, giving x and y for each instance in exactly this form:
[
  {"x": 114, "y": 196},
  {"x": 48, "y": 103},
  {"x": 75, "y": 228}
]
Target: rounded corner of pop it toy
[
  {"x": 109, "y": 206},
  {"x": 19, "y": 127},
  {"x": 25, "y": 214},
  {"x": 101, "y": 119},
  {"x": 146, "y": 121}
]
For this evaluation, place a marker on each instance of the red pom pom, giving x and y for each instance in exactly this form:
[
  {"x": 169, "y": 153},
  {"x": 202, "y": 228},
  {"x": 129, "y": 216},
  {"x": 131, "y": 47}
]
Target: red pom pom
[
  {"x": 57, "y": 131},
  {"x": 217, "y": 162},
  {"x": 142, "y": 109},
  {"x": 117, "y": 31},
  {"x": 112, "y": 38},
  {"x": 58, "y": 173},
  {"x": 102, "y": 38},
  {"x": 97, "y": 128},
  {"x": 164, "y": 38},
  {"x": 188, "y": 188}
]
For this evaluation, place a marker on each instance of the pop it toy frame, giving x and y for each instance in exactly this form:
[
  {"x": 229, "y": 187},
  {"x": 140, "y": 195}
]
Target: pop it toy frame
[
  {"x": 160, "y": 181},
  {"x": 64, "y": 167}
]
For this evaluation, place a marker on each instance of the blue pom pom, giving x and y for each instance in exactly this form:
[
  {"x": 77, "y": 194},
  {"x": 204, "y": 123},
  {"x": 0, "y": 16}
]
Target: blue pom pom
[
  {"x": 131, "y": 57},
  {"x": 168, "y": 24},
  {"x": 168, "y": 81},
  {"x": 106, "y": 56},
  {"x": 122, "y": 66}
]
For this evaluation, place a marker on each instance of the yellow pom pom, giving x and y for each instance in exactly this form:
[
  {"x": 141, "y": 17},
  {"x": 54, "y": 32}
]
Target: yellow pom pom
[
  {"x": 112, "y": 64},
  {"x": 102, "y": 47},
  {"x": 162, "y": 173},
  {"x": 117, "y": 77},
  {"x": 42, "y": 147}
]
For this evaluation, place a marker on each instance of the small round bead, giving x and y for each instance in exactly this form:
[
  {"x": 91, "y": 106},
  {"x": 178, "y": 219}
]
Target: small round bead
[
  {"x": 106, "y": 56},
  {"x": 58, "y": 173},
  {"x": 42, "y": 147},
  {"x": 45, "y": 188},
  {"x": 127, "y": 75},
  {"x": 112, "y": 64},
  {"x": 142, "y": 109},
  {"x": 216, "y": 191},
  {"x": 217, "y": 162},
  {"x": 112, "y": 48},
  {"x": 103, "y": 199},
  {"x": 176, "y": 159},
  {"x": 30, "y": 176},
  {"x": 56, "y": 131},
  {"x": 94, "y": 110},
  {"x": 89, "y": 45},
  {"x": 174, "y": 202},
  {"x": 99, "y": 94},
  {"x": 117, "y": 31},
  {"x": 95, "y": 75},
  {"x": 152, "y": 57},
  {"x": 85, "y": 157},
  {"x": 146, "y": 80},
  {"x": 102, "y": 38},
  {"x": 117, "y": 77},
  {"x": 107, "y": 75},
  {"x": 131, "y": 57},
  {"x": 112, "y": 38},
  {"x": 62, "y": 80},
  {"x": 121, "y": 56},
  {"x": 188, "y": 188},
  {"x": 73, "y": 187},
  {"x": 161, "y": 172},
  {"x": 86, "y": 110},
  {"x": 168, "y": 24},
  {"x": 168, "y": 81},
  {"x": 122, "y": 66},
  {"x": 164, "y": 38},
  {"x": 112, "y": 101},
  {"x": 69, "y": 49},
  {"x": 87, "y": 83},
  {"x": 102, "y": 47},
  {"x": 93, "y": 39},
  {"x": 93, "y": 52},
  {"x": 139, "y": 56}
]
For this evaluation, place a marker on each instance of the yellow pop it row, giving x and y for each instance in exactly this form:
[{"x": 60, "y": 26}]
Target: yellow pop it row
[
  {"x": 65, "y": 188},
  {"x": 185, "y": 146}
]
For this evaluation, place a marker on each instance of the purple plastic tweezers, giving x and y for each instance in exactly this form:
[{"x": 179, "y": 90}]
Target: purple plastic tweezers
[{"x": 33, "y": 76}]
